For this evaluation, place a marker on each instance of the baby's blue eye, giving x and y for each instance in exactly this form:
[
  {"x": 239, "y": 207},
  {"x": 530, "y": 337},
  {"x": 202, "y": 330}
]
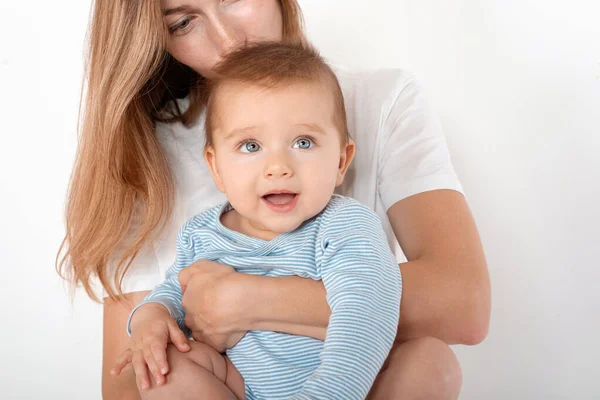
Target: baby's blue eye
[
  {"x": 303, "y": 144},
  {"x": 249, "y": 147}
]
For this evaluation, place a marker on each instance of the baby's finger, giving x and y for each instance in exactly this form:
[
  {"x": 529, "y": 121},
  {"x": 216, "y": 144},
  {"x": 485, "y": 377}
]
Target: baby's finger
[
  {"x": 178, "y": 337},
  {"x": 141, "y": 371},
  {"x": 122, "y": 362},
  {"x": 160, "y": 356},
  {"x": 152, "y": 365}
]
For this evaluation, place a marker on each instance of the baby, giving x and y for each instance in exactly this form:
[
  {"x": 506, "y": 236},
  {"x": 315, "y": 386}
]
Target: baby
[{"x": 277, "y": 145}]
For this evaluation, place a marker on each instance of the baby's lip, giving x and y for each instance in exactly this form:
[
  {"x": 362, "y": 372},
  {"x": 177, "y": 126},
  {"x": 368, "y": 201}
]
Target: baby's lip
[{"x": 279, "y": 191}]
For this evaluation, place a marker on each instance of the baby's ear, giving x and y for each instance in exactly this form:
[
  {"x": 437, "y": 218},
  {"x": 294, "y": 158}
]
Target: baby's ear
[
  {"x": 211, "y": 160},
  {"x": 346, "y": 157}
]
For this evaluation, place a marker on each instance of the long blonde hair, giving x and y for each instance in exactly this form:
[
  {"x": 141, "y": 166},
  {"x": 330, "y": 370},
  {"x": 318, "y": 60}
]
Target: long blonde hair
[{"x": 121, "y": 190}]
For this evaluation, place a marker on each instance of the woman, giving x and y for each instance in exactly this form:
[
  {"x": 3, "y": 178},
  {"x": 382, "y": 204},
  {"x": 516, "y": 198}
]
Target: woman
[{"x": 140, "y": 174}]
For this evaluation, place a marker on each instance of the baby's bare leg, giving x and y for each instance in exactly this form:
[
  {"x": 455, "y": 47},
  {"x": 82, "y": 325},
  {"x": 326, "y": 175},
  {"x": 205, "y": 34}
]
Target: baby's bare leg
[
  {"x": 234, "y": 380},
  {"x": 201, "y": 373}
]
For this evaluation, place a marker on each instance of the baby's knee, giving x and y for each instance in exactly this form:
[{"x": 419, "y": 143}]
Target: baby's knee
[
  {"x": 198, "y": 373},
  {"x": 201, "y": 355}
]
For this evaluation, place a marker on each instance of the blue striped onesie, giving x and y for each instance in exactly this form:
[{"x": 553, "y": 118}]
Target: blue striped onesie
[{"x": 345, "y": 247}]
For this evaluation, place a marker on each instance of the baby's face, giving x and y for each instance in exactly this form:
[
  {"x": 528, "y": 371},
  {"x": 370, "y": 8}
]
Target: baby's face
[{"x": 277, "y": 153}]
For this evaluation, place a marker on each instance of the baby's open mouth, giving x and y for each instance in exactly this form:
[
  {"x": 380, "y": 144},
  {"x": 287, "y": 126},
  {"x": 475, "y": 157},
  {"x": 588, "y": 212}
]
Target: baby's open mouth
[
  {"x": 280, "y": 199},
  {"x": 281, "y": 202}
]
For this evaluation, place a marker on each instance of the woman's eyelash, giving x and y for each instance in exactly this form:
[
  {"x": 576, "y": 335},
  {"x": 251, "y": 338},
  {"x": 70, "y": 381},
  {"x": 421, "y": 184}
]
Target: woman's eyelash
[{"x": 184, "y": 23}]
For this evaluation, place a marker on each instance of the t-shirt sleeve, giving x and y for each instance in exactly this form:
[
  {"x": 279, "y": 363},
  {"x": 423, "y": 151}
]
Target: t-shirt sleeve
[{"x": 414, "y": 157}]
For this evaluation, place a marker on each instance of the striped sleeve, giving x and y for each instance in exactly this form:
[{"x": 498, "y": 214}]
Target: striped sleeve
[{"x": 364, "y": 286}]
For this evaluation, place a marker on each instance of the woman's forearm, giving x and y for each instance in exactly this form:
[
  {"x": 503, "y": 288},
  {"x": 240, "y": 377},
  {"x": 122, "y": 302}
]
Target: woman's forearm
[
  {"x": 120, "y": 388},
  {"x": 434, "y": 303},
  {"x": 115, "y": 341},
  {"x": 293, "y": 305},
  {"x": 445, "y": 284}
]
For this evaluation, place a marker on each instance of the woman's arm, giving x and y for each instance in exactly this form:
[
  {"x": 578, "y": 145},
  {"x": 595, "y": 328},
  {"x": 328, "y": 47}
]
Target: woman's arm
[
  {"x": 446, "y": 288},
  {"x": 115, "y": 339},
  {"x": 292, "y": 305},
  {"x": 446, "y": 285},
  {"x": 219, "y": 303}
]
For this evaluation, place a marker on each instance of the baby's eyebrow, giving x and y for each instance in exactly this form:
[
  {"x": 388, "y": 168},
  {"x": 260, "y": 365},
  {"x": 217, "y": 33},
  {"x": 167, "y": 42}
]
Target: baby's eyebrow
[
  {"x": 312, "y": 127},
  {"x": 240, "y": 131}
]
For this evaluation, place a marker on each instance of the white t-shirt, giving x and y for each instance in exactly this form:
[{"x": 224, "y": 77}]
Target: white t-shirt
[{"x": 400, "y": 151}]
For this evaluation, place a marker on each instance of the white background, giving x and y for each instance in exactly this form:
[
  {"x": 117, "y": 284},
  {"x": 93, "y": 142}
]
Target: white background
[{"x": 517, "y": 84}]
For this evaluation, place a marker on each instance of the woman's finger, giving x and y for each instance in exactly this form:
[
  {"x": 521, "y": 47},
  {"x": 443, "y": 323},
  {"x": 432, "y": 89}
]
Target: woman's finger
[
  {"x": 122, "y": 362},
  {"x": 199, "y": 267},
  {"x": 178, "y": 337},
  {"x": 151, "y": 362},
  {"x": 184, "y": 277},
  {"x": 141, "y": 371}
]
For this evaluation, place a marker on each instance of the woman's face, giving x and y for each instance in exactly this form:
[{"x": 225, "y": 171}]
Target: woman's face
[{"x": 202, "y": 31}]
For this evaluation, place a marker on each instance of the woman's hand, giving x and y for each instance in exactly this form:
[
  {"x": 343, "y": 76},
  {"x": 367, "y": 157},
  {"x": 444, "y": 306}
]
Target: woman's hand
[
  {"x": 152, "y": 330},
  {"x": 221, "y": 304},
  {"x": 213, "y": 300}
]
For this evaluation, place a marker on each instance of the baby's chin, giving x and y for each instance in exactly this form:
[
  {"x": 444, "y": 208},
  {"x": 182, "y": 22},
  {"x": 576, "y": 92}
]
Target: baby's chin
[{"x": 283, "y": 226}]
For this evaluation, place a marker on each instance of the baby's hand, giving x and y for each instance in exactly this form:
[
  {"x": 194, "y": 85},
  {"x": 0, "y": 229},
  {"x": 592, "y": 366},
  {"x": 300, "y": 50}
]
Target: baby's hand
[{"x": 152, "y": 329}]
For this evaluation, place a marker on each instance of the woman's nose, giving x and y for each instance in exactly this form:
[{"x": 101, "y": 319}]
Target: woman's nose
[{"x": 226, "y": 35}]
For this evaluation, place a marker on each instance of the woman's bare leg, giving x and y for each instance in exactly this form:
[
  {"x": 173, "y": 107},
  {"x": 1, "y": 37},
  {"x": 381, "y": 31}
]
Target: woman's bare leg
[
  {"x": 419, "y": 369},
  {"x": 201, "y": 373}
]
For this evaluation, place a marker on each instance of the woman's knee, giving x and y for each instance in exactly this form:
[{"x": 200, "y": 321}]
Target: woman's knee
[
  {"x": 424, "y": 368},
  {"x": 432, "y": 363}
]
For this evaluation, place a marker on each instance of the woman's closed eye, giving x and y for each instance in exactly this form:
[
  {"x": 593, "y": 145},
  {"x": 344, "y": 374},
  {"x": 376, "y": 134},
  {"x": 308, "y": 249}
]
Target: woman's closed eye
[{"x": 183, "y": 26}]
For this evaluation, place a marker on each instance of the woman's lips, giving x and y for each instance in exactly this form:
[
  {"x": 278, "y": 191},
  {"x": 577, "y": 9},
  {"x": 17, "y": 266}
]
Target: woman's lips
[{"x": 281, "y": 202}]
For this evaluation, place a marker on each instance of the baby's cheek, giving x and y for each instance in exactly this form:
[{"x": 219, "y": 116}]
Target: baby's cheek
[
  {"x": 320, "y": 196},
  {"x": 325, "y": 180},
  {"x": 238, "y": 190}
]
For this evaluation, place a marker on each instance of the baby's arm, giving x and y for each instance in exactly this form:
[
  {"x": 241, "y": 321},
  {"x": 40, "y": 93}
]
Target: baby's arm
[
  {"x": 156, "y": 321},
  {"x": 364, "y": 286},
  {"x": 169, "y": 293},
  {"x": 153, "y": 330}
]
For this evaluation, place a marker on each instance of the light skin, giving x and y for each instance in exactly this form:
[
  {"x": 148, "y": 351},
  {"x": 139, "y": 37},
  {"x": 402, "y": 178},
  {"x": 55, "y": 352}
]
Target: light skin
[
  {"x": 278, "y": 155},
  {"x": 202, "y": 31},
  {"x": 276, "y": 149},
  {"x": 446, "y": 290}
]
